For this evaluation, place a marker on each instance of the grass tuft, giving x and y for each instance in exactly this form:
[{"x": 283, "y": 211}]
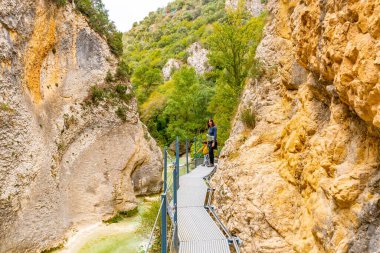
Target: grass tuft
[{"x": 248, "y": 117}]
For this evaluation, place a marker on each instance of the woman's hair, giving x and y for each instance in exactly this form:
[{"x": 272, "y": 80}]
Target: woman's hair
[{"x": 212, "y": 123}]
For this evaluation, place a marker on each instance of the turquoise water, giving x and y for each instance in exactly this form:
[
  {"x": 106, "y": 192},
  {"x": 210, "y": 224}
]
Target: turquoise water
[
  {"x": 122, "y": 242},
  {"x": 118, "y": 243}
]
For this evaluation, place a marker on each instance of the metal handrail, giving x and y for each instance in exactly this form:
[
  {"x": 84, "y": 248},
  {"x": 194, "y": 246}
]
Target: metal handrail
[{"x": 235, "y": 240}]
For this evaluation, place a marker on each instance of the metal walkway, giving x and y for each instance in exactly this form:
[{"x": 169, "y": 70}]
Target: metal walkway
[
  {"x": 183, "y": 201},
  {"x": 197, "y": 231}
]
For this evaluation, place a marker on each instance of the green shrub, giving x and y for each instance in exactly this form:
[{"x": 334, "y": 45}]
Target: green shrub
[
  {"x": 97, "y": 94},
  {"x": 248, "y": 117},
  {"x": 121, "y": 113},
  {"x": 115, "y": 41},
  {"x": 121, "y": 93},
  {"x": 123, "y": 72},
  {"x": 121, "y": 89},
  {"x": 109, "y": 77}
]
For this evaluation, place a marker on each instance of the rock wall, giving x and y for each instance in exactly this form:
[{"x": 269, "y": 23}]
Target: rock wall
[
  {"x": 198, "y": 58},
  {"x": 255, "y": 7},
  {"x": 170, "y": 66},
  {"x": 64, "y": 161},
  {"x": 307, "y": 177}
]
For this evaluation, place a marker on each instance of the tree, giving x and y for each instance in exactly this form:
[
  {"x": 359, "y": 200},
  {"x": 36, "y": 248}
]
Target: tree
[
  {"x": 186, "y": 107},
  {"x": 232, "y": 53},
  {"x": 233, "y": 45},
  {"x": 145, "y": 79}
]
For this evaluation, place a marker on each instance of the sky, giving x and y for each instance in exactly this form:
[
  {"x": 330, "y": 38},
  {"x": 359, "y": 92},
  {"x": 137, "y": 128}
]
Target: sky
[{"x": 125, "y": 12}]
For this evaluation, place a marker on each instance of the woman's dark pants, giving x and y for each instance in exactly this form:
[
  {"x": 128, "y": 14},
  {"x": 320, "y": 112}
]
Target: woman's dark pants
[{"x": 211, "y": 153}]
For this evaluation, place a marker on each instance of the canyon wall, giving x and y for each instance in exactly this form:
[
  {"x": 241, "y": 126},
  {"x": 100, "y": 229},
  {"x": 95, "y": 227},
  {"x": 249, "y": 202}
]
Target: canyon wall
[
  {"x": 65, "y": 161},
  {"x": 306, "y": 178}
]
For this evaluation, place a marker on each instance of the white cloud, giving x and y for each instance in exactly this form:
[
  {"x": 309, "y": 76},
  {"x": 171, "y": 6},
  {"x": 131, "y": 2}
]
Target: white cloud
[{"x": 125, "y": 12}]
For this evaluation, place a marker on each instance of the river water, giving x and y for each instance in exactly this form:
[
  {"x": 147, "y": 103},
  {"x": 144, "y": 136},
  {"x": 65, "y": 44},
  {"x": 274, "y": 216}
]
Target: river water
[{"x": 124, "y": 236}]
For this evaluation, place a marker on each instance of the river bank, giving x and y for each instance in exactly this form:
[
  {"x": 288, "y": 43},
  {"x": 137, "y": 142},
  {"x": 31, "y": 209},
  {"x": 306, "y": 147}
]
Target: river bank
[{"x": 128, "y": 235}]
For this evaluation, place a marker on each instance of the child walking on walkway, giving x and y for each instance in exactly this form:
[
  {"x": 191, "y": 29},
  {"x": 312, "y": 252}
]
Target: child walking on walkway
[{"x": 205, "y": 153}]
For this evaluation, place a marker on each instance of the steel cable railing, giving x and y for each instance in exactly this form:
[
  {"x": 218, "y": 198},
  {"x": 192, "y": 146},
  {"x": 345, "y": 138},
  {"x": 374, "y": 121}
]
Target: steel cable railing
[
  {"x": 167, "y": 205},
  {"x": 154, "y": 226}
]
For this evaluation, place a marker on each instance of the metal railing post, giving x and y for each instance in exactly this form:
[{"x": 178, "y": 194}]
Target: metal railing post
[
  {"x": 163, "y": 224},
  {"x": 165, "y": 168},
  {"x": 187, "y": 156},
  {"x": 195, "y": 148},
  {"x": 175, "y": 194},
  {"x": 175, "y": 241},
  {"x": 177, "y": 161}
]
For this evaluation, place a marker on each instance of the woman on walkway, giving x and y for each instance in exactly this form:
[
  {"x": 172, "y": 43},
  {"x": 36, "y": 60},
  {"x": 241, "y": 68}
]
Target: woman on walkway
[{"x": 211, "y": 140}]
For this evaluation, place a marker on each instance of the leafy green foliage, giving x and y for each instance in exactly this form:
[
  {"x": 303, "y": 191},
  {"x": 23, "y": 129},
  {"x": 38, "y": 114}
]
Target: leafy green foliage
[
  {"x": 123, "y": 72},
  {"x": 146, "y": 78},
  {"x": 233, "y": 46},
  {"x": 168, "y": 32},
  {"x": 181, "y": 106},
  {"x": 223, "y": 105},
  {"x": 165, "y": 34},
  {"x": 232, "y": 53},
  {"x": 178, "y": 107},
  {"x": 186, "y": 108},
  {"x": 117, "y": 96},
  {"x": 98, "y": 19}
]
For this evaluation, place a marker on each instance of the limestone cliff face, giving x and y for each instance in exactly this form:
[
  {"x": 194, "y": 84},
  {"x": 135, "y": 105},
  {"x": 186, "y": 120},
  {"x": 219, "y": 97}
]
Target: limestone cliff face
[
  {"x": 64, "y": 162},
  {"x": 255, "y": 7},
  {"x": 307, "y": 177},
  {"x": 198, "y": 58}
]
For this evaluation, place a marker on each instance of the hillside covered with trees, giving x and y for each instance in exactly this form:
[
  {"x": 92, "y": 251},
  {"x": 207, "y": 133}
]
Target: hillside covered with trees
[{"x": 182, "y": 105}]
